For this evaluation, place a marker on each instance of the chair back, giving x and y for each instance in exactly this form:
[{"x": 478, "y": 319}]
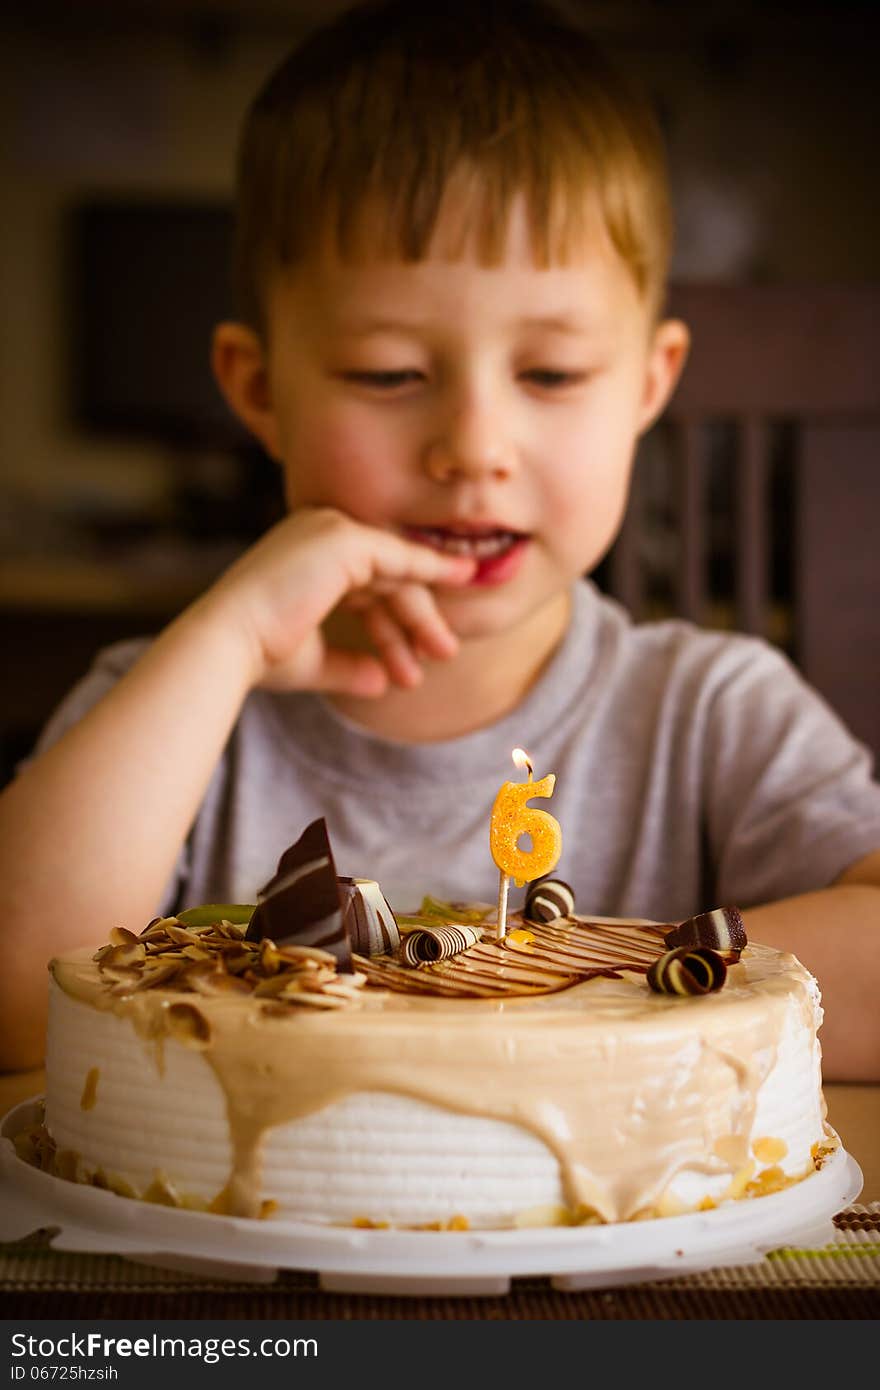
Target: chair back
[{"x": 755, "y": 502}]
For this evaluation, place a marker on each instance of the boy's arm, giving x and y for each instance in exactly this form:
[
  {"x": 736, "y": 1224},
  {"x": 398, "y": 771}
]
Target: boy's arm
[
  {"x": 835, "y": 933},
  {"x": 89, "y": 833},
  {"x": 91, "y": 830}
]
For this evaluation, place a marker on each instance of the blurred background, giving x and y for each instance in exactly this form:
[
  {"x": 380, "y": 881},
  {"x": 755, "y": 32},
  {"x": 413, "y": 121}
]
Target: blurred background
[{"x": 125, "y": 485}]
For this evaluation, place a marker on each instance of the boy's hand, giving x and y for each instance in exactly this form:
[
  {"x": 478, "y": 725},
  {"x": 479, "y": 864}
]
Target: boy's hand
[{"x": 279, "y": 593}]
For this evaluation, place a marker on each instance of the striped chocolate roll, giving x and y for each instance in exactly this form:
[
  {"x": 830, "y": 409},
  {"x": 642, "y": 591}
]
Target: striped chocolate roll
[
  {"x": 684, "y": 971},
  {"x": 428, "y": 944},
  {"x": 547, "y": 899},
  {"x": 368, "y": 920},
  {"x": 720, "y": 930}
]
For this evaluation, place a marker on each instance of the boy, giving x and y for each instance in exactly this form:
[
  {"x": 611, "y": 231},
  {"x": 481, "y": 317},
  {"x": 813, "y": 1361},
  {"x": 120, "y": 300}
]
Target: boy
[{"x": 453, "y": 237}]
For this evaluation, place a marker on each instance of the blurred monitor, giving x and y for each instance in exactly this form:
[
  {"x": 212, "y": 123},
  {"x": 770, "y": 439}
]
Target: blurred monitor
[{"x": 148, "y": 280}]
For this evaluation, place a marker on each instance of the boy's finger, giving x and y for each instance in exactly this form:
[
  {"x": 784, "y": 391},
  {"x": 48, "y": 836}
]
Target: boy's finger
[
  {"x": 396, "y": 558},
  {"x": 352, "y": 673},
  {"x": 414, "y": 608},
  {"x": 393, "y": 646}
]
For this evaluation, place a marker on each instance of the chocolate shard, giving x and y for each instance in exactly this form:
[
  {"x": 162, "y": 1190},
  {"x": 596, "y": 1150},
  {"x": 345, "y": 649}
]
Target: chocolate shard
[
  {"x": 686, "y": 971},
  {"x": 719, "y": 930},
  {"x": 425, "y": 945},
  {"x": 547, "y": 899},
  {"x": 370, "y": 924},
  {"x": 301, "y": 905}
]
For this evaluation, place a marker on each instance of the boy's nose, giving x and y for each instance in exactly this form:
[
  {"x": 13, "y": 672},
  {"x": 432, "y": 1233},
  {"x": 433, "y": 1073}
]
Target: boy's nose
[{"x": 472, "y": 445}]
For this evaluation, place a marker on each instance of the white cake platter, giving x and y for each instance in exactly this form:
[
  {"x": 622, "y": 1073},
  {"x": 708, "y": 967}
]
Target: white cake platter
[{"x": 414, "y": 1262}]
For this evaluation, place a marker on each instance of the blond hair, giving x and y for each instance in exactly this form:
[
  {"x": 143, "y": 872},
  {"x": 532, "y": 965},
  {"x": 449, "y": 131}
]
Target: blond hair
[{"x": 382, "y": 108}]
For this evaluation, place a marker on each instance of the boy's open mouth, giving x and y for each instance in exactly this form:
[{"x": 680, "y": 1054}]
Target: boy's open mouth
[{"x": 496, "y": 549}]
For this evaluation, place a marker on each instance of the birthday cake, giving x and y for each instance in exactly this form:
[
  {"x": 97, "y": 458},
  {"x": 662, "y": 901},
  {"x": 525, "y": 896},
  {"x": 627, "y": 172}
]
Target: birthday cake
[{"x": 420, "y": 1071}]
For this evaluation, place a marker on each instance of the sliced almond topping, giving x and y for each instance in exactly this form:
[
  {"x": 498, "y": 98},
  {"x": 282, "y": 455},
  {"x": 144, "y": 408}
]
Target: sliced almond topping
[
  {"x": 276, "y": 984},
  {"x": 295, "y": 953},
  {"x": 292, "y": 984},
  {"x": 149, "y": 977},
  {"x": 196, "y": 953},
  {"x": 217, "y": 959},
  {"x": 159, "y": 924},
  {"x": 345, "y": 991},
  {"x": 154, "y": 928},
  {"x": 270, "y": 957},
  {"x": 237, "y": 963},
  {"x": 234, "y": 930},
  {"x": 317, "y": 1001},
  {"x": 123, "y": 987},
  {"x": 119, "y": 973},
  {"x": 131, "y": 954},
  {"x": 121, "y": 936},
  {"x": 182, "y": 936}
]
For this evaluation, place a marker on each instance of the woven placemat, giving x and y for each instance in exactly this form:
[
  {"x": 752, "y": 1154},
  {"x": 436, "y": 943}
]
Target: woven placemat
[{"x": 839, "y": 1280}]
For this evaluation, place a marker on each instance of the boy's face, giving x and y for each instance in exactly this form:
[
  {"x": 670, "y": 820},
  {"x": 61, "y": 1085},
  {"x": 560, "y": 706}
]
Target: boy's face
[{"x": 491, "y": 410}]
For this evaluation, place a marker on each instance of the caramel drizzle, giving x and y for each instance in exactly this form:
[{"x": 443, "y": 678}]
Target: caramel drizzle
[
  {"x": 551, "y": 957},
  {"x": 500, "y": 1065}
]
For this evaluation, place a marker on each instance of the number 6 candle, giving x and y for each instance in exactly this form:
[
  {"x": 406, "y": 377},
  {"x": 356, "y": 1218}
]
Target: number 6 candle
[{"x": 512, "y": 818}]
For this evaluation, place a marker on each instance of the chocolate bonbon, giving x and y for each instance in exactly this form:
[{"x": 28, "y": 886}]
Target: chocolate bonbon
[
  {"x": 425, "y": 945},
  {"x": 368, "y": 920},
  {"x": 547, "y": 899},
  {"x": 687, "y": 971},
  {"x": 719, "y": 930},
  {"x": 301, "y": 905}
]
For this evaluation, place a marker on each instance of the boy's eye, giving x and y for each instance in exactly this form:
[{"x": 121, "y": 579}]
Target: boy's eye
[
  {"x": 383, "y": 381},
  {"x": 549, "y": 378}
]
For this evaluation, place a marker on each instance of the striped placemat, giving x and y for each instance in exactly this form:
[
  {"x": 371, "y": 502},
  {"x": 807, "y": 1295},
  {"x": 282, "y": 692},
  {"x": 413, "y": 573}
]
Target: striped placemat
[{"x": 838, "y": 1280}]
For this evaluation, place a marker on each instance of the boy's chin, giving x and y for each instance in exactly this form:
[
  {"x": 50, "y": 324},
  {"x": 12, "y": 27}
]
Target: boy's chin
[{"x": 477, "y": 615}]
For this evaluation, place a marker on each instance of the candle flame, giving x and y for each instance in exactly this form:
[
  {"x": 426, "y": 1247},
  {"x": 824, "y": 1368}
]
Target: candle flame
[{"x": 522, "y": 759}]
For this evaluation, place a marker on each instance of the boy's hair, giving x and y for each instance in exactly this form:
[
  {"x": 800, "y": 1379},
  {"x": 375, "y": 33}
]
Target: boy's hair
[{"x": 358, "y": 134}]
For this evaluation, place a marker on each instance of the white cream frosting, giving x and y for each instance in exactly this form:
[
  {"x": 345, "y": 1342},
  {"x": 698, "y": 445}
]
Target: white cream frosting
[{"x": 603, "y": 1098}]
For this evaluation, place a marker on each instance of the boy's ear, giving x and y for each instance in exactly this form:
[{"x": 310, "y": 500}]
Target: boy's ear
[
  {"x": 666, "y": 358},
  {"x": 239, "y": 364}
]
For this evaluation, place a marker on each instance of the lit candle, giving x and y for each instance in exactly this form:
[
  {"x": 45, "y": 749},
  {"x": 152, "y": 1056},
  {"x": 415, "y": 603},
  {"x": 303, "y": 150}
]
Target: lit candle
[{"x": 511, "y": 819}]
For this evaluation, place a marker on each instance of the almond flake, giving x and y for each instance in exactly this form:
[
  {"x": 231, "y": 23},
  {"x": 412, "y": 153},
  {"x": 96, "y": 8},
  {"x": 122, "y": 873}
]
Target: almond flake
[
  {"x": 121, "y": 936},
  {"x": 293, "y": 952},
  {"x": 267, "y": 988},
  {"x": 157, "y": 975},
  {"x": 182, "y": 936},
  {"x": 318, "y": 1001}
]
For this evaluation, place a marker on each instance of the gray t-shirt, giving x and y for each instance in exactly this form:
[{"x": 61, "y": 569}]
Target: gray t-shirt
[{"x": 693, "y": 769}]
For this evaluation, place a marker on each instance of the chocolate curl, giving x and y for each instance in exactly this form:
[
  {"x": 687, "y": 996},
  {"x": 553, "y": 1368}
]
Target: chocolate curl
[
  {"x": 684, "y": 971},
  {"x": 368, "y": 920},
  {"x": 426, "y": 945},
  {"x": 547, "y": 899},
  {"x": 301, "y": 904},
  {"x": 720, "y": 930}
]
